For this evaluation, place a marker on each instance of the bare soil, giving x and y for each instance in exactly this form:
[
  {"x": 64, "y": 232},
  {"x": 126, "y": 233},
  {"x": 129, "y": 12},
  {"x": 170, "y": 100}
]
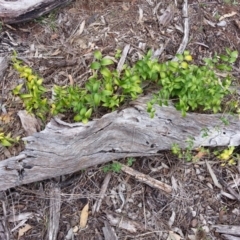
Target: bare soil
[{"x": 55, "y": 48}]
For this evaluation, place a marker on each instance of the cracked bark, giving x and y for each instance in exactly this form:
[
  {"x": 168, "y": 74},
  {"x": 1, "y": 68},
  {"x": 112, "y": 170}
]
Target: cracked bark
[
  {"x": 24, "y": 10},
  {"x": 63, "y": 148}
]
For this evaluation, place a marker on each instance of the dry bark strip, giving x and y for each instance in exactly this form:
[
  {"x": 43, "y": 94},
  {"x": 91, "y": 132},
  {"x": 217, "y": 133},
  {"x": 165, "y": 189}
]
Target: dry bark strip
[
  {"x": 24, "y": 10},
  {"x": 54, "y": 214},
  {"x": 232, "y": 231},
  {"x": 64, "y": 148}
]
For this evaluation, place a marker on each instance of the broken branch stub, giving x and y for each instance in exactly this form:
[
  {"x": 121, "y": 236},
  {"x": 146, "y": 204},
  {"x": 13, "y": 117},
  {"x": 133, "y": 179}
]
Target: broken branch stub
[{"x": 63, "y": 148}]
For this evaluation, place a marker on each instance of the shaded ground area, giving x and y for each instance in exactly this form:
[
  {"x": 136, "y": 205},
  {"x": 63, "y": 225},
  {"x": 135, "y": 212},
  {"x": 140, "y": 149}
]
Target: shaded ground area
[{"x": 61, "y": 45}]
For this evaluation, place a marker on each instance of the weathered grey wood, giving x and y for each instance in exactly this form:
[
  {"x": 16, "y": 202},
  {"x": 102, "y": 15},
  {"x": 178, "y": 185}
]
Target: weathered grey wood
[
  {"x": 228, "y": 229},
  {"x": 66, "y": 148},
  {"x": 54, "y": 213},
  {"x": 4, "y": 61},
  {"x": 25, "y": 10},
  {"x": 229, "y": 237}
]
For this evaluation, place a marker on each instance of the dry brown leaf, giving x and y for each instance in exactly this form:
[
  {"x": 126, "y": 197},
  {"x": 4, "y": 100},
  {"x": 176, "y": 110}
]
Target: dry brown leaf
[
  {"x": 227, "y": 15},
  {"x": 84, "y": 216},
  {"x": 23, "y": 230},
  {"x": 199, "y": 155},
  {"x": 125, "y": 7},
  {"x": 54, "y": 36},
  {"x": 6, "y": 118}
]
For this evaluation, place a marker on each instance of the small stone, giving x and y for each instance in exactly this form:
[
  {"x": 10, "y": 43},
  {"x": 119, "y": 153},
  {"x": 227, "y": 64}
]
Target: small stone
[{"x": 222, "y": 23}]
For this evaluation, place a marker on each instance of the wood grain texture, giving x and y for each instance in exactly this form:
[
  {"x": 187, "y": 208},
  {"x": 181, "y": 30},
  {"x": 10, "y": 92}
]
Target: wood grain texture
[
  {"x": 25, "y": 10},
  {"x": 63, "y": 148}
]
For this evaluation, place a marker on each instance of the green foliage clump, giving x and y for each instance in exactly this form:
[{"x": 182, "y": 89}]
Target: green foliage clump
[
  {"x": 7, "y": 140},
  {"x": 113, "y": 167},
  {"x": 191, "y": 87},
  {"x": 105, "y": 88},
  {"x": 33, "y": 97},
  {"x": 185, "y": 154}
]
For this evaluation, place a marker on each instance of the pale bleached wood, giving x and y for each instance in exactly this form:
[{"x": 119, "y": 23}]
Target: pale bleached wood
[
  {"x": 228, "y": 229},
  {"x": 4, "y": 61},
  {"x": 98, "y": 203},
  {"x": 54, "y": 213},
  {"x": 63, "y": 148},
  {"x": 229, "y": 237},
  {"x": 147, "y": 179},
  {"x": 25, "y": 10}
]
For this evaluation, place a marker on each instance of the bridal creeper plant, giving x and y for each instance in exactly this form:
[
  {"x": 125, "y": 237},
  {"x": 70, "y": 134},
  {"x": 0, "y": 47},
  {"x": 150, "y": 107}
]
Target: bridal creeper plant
[
  {"x": 189, "y": 86},
  {"x": 33, "y": 97},
  {"x": 105, "y": 88}
]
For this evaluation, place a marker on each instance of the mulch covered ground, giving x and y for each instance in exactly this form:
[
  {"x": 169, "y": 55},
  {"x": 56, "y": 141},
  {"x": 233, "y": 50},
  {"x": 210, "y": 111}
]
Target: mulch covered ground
[{"x": 60, "y": 48}]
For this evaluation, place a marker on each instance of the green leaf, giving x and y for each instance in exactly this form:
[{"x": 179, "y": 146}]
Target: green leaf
[
  {"x": 106, "y": 93},
  {"x": 228, "y": 51},
  {"x": 96, "y": 99},
  {"x": 106, "y": 72},
  {"x": 96, "y": 86},
  {"x": 221, "y": 66},
  {"x": 149, "y": 54},
  {"x": 5, "y": 143},
  {"x": 180, "y": 57},
  {"x": 17, "y": 89},
  {"x": 106, "y": 61},
  {"x": 156, "y": 67},
  {"x": 95, "y": 65},
  {"x": 23, "y": 96},
  {"x": 232, "y": 60},
  {"x": 83, "y": 111},
  {"x": 84, "y": 120},
  {"x": 173, "y": 64},
  {"x": 88, "y": 113},
  {"x": 234, "y": 54},
  {"x": 77, "y": 118},
  {"x": 98, "y": 55},
  {"x": 224, "y": 58}
]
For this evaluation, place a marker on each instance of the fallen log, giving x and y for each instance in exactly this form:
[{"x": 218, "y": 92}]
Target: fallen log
[
  {"x": 63, "y": 148},
  {"x": 24, "y": 10}
]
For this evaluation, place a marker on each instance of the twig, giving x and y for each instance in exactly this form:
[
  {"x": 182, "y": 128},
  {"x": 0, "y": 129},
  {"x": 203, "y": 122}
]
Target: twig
[
  {"x": 55, "y": 205},
  {"x": 3, "y": 222},
  {"x": 186, "y": 28},
  {"x": 98, "y": 203},
  {"x": 214, "y": 178},
  {"x": 123, "y": 58},
  {"x": 146, "y": 179},
  {"x": 236, "y": 195}
]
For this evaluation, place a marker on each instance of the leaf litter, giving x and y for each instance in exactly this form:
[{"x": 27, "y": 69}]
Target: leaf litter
[{"x": 61, "y": 52}]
